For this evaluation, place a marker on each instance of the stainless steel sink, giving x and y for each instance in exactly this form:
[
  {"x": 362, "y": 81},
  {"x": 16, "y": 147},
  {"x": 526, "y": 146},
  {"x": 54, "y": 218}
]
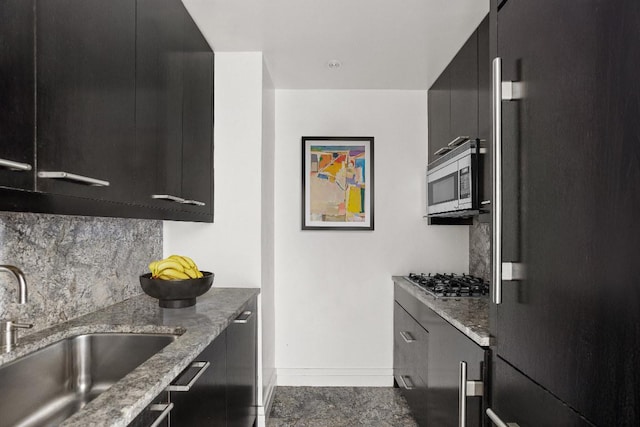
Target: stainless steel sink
[{"x": 48, "y": 386}]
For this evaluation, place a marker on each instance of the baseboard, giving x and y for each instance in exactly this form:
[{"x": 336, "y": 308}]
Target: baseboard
[
  {"x": 268, "y": 392},
  {"x": 335, "y": 377}
]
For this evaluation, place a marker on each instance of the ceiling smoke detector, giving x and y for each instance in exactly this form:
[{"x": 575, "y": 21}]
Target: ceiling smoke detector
[{"x": 334, "y": 64}]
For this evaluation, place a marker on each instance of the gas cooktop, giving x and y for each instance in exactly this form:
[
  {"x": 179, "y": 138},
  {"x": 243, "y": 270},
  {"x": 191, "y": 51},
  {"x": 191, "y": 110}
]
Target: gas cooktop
[{"x": 450, "y": 285}]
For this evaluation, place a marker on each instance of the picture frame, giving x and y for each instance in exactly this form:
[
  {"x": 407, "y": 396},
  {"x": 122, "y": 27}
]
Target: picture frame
[{"x": 337, "y": 183}]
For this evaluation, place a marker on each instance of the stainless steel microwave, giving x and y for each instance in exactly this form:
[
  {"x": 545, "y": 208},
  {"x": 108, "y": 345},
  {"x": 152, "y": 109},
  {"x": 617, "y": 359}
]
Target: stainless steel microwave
[{"x": 452, "y": 182}]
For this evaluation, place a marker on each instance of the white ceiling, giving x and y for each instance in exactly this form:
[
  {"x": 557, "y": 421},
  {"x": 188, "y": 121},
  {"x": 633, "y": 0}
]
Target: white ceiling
[{"x": 382, "y": 44}]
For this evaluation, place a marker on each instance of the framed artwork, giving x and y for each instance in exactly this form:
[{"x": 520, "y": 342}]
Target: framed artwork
[{"x": 337, "y": 183}]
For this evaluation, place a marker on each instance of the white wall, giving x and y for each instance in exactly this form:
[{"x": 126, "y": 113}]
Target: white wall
[
  {"x": 334, "y": 294},
  {"x": 268, "y": 240},
  {"x": 230, "y": 247}
]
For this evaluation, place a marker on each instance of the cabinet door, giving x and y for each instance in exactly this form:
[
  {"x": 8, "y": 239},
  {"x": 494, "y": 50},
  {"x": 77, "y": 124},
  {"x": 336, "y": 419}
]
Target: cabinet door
[
  {"x": 517, "y": 399},
  {"x": 159, "y": 78},
  {"x": 571, "y": 148},
  {"x": 484, "y": 112},
  {"x": 410, "y": 362},
  {"x": 17, "y": 86},
  {"x": 86, "y": 95},
  {"x": 206, "y": 402},
  {"x": 152, "y": 413},
  {"x": 464, "y": 90},
  {"x": 197, "y": 121},
  {"x": 241, "y": 369},
  {"x": 439, "y": 113}
]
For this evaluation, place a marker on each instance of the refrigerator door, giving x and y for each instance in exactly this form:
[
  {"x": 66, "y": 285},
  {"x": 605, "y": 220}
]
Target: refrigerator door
[{"x": 571, "y": 168}]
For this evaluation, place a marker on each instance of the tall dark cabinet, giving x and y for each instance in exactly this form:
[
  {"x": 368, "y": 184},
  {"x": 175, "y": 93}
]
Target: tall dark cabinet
[{"x": 567, "y": 330}]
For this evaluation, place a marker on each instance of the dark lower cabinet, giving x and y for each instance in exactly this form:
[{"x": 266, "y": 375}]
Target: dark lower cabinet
[
  {"x": 241, "y": 369},
  {"x": 410, "y": 361},
  {"x": 428, "y": 359},
  {"x": 17, "y": 89},
  {"x": 517, "y": 399},
  {"x": 205, "y": 403}
]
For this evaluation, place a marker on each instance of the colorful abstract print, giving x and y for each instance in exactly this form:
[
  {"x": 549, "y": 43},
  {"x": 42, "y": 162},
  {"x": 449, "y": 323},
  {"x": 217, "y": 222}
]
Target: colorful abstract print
[{"x": 337, "y": 183}]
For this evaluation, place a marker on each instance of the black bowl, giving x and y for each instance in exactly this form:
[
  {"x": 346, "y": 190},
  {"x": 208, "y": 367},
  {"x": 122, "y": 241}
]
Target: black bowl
[{"x": 176, "y": 293}]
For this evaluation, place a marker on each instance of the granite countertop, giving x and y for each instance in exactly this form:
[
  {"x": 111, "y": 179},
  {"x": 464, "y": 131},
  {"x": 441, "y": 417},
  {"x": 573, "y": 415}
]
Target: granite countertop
[
  {"x": 469, "y": 315},
  {"x": 197, "y": 326}
]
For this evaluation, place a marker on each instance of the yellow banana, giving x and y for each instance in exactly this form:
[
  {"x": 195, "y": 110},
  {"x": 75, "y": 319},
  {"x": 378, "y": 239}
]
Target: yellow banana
[
  {"x": 199, "y": 273},
  {"x": 190, "y": 261},
  {"x": 191, "y": 273},
  {"x": 172, "y": 274},
  {"x": 181, "y": 260},
  {"x": 152, "y": 267},
  {"x": 168, "y": 263}
]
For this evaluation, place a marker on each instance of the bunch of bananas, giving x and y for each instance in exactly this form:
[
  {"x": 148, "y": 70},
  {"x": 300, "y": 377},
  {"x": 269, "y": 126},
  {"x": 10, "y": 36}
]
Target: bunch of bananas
[{"x": 174, "y": 267}]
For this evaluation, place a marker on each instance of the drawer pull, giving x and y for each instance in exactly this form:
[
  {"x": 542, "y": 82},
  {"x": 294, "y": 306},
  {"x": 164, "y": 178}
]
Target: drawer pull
[
  {"x": 15, "y": 166},
  {"x": 244, "y": 317},
  {"x": 168, "y": 197},
  {"x": 78, "y": 179},
  {"x": 203, "y": 366},
  {"x": 407, "y": 383},
  {"x": 497, "y": 421},
  {"x": 194, "y": 202},
  {"x": 164, "y": 408},
  {"x": 406, "y": 336}
]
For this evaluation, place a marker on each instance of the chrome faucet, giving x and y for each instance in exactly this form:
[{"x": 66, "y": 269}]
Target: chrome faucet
[
  {"x": 8, "y": 335},
  {"x": 22, "y": 283}
]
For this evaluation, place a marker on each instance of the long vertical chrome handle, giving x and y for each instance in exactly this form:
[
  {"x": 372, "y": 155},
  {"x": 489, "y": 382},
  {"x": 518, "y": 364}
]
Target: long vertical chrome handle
[
  {"x": 495, "y": 419},
  {"x": 462, "y": 395},
  {"x": 496, "y": 209},
  {"x": 15, "y": 166},
  {"x": 466, "y": 389}
]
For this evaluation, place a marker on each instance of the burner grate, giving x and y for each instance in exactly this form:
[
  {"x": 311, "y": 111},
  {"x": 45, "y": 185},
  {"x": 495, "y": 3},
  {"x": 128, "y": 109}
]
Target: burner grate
[{"x": 451, "y": 285}]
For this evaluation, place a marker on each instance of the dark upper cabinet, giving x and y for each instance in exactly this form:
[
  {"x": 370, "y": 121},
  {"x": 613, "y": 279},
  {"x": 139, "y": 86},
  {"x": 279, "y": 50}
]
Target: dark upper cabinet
[
  {"x": 174, "y": 108},
  {"x": 17, "y": 89},
  {"x": 571, "y": 147},
  {"x": 484, "y": 113},
  {"x": 464, "y": 90},
  {"x": 115, "y": 92},
  {"x": 439, "y": 113},
  {"x": 86, "y": 96}
]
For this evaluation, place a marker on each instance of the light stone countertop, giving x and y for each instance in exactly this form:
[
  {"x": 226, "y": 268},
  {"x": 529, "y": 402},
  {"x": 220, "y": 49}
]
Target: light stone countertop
[
  {"x": 197, "y": 326},
  {"x": 469, "y": 315}
]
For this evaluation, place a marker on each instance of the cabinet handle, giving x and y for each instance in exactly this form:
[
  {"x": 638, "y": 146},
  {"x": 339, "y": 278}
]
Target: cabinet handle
[
  {"x": 500, "y": 91},
  {"x": 164, "y": 408},
  {"x": 203, "y": 366},
  {"x": 466, "y": 389},
  {"x": 15, "y": 166},
  {"x": 193, "y": 202},
  {"x": 406, "y": 382},
  {"x": 73, "y": 177},
  {"x": 442, "y": 151},
  {"x": 406, "y": 336},
  {"x": 244, "y": 317},
  {"x": 497, "y": 421},
  {"x": 168, "y": 197},
  {"x": 457, "y": 141}
]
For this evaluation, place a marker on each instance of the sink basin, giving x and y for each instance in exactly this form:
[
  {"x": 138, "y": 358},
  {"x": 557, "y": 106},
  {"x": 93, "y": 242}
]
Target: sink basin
[{"x": 49, "y": 385}]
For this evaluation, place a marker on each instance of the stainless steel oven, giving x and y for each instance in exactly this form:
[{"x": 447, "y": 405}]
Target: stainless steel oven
[{"x": 452, "y": 182}]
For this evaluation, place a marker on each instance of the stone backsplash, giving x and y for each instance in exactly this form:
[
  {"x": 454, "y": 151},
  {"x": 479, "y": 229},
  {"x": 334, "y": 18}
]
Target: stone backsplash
[
  {"x": 480, "y": 250},
  {"x": 73, "y": 265}
]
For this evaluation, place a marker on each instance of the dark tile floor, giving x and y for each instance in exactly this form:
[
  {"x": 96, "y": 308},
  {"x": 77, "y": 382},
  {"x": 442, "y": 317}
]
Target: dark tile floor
[{"x": 339, "y": 407}]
